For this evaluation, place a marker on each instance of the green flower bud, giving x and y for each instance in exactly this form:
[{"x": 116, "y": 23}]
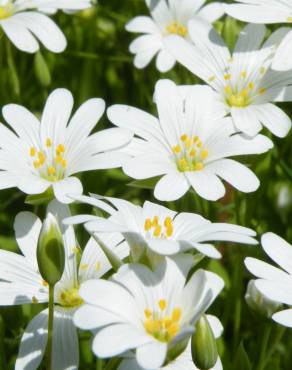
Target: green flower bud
[
  {"x": 50, "y": 251},
  {"x": 259, "y": 303},
  {"x": 204, "y": 347}
]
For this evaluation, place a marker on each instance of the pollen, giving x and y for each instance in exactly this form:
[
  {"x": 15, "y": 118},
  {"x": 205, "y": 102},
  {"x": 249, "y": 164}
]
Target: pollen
[
  {"x": 51, "y": 170},
  {"x": 161, "y": 326},
  {"x": 191, "y": 155},
  {"x": 177, "y": 28},
  {"x": 48, "y": 143},
  {"x": 60, "y": 149},
  {"x": 70, "y": 298},
  {"x": 32, "y": 151},
  {"x": 159, "y": 229},
  {"x": 176, "y": 149},
  {"x": 227, "y": 76}
]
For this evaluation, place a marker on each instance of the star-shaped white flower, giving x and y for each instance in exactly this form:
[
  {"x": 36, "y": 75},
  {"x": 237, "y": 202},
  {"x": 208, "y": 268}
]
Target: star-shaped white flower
[
  {"x": 273, "y": 282},
  {"x": 24, "y": 22},
  {"x": 167, "y": 17},
  {"x": 267, "y": 11},
  {"x": 244, "y": 81},
  {"x": 21, "y": 283},
  {"x": 160, "y": 229},
  {"x": 46, "y": 153},
  {"x": 188, "y": 145},
  {"x": 183, "y": 361},
  {"x": 145, "y": 311}
]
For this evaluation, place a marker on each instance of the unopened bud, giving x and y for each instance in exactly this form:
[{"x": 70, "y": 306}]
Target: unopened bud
[
  {"x": 260, "y": 303},
  {"x": 50, "y": 251},
  {"x": 204, "y": 347}
]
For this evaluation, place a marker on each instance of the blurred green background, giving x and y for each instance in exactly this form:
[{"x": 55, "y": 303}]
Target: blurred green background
[{"x": 97, "y": 63}]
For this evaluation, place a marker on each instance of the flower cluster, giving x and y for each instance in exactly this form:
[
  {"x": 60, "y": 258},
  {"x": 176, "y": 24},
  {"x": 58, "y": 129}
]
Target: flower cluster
[{"x": 138, "y": 285}]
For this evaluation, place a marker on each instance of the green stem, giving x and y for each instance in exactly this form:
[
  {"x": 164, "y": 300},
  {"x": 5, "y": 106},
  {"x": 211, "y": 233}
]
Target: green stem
[
  {"x": 277, "y": 339},
  {"x": 113, "y": 364},
  {"x": 99, "y": 364},
  {"x": 264, "y": 345},
  {"x": 50, "y": 327}
]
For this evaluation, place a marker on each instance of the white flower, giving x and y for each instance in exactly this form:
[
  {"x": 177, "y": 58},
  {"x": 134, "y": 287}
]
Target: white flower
[
  {"x": 46, "y": 153},
  {"x": 21, "y": 283},
  {"x": 244, "y": 81},
  {"x": 188, "y": 144},
  {"x": 146, "y": 311},
  {"x": 183, "y": 361},
  {"x": 275, "y": 283},
  {"x": 160, "y": 229},
  {"x": 23, "y": 22},
  {"x": 166, "y": 18},
  {"x": 267, "y": 11}
]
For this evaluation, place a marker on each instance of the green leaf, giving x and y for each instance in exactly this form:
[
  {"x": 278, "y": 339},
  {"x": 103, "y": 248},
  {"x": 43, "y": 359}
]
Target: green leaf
[
  {"x": 145, "y": 184},
  {"x": 241, "y": 361},
  {"x": 37, "y": 199},
  {"x": 41, "y": 70}
]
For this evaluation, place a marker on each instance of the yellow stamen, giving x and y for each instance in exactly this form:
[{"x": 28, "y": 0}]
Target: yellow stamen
[
  {"x": 204, "y": 154},
  {"x": 184, "y": 137},
  {"x": 45, "y": 283},
  {"x": 227, "y": 76},
  {"x": 176, "y": 149},
  {"x": 212, "y": 78},
  {"x": 251, "y": 85},
  {"x": 199, "y": 166},
  {"x": 262, "y": 90},
  {"x": 162, "y": 304},
  {"x": 64, "y": 163},
  {"x": 48, "y": 143},
  {"x": 98, "y": 266},
  {"x": 84, "y": 266},
  {"x": 148, "y": 313},
  {"x": 32, "y": 151},
  {"x": 243, "y": 74},
  {"x": 147, "y": 224},
  {"x": 157, "y": 231},
  {"x": 51, "y": 170},
  {"x": 177, "y": 28},
  {"x": 176, "y": 314}
]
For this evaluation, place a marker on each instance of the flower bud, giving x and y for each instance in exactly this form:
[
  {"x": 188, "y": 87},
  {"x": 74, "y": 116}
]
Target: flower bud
[
  {"x": 204, "y": 347},
  {"x": 260, "y": 303},
  {"x": 50, "y": 251}
]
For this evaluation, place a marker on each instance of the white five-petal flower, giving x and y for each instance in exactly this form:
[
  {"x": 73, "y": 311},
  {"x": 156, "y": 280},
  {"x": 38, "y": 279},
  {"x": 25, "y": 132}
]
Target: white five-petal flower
[
  {"x": 145, "y": 311},
  {"x": 188, "y": 145},
  {"x": 268, "y": 11},
  {"x": 273, "y": 282},
  {"x": 166, "y": 18},
  {"x": 183, "y": 361},
  {"x": 46, "y": 153},
  {"x": 160, "y": 229},
  {"x": 21, "y": 283},
  {"x": 243, "y": 81},
  {"x": 24, "y": 21}
]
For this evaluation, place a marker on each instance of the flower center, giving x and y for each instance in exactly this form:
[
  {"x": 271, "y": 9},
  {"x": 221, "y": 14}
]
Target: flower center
[
  {"x": 157, "y": 230},
  {"x": 161, "y": 326},
  {"x": 6, "y": 11},
  {"x": 49, "y": 162},
  {"x": 70, "y": 298},
  {"x": 190, "y": 154},
  {"x": 177, "y": 28}
]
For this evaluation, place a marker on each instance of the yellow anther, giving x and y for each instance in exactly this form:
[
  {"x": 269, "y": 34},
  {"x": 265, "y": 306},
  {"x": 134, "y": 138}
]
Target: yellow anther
[
  {"x": 227, "y": 76},
  {"x": 60, "y": 149},
  {"x": 176, "y": 314},
  {"x": 157, "y": 231},
  {"x": 34, "y": 300},
  {"x": 183, "y": 164},
  {"x": 76, "y": 250},
  {"x": 204, "y": 154},
  {"x": 192, "y": 153},
  {"x": 251, "y": 85},
  {"x": 51, "y": 170},
  {"x": 211, "y": 78},
  {"x": 199, "y": 144},
  {"x": 243, "y": 74},
  {"x": 148, "y": 313},
  {"x": 199, "y": 166},
  {"x": 162, "y": 304},
  {"x": 70, "y": 298},
  {"x": 262, "y": 90},
  {"x": 167, "y": 221},
  {"x": 64, "y": 163},
  {"x": 98, "y": 266},
  {"x": 173, "y": 329},
  {"x": 45, "y": 283},
  {"x": 228, "y": 89},
  {"x": 195, "y": 138},
  {"x": 169, "y": 231},
  {"x": 184, "y": 137},
  {"x": 188, "y": 143},
  {"x": 84, "y": 266},
  {"x": 58, "y": 158},
  {"x": 177, "y": 28},
  {"x": 6, "y": 11},
  {"x": 48, "y": 143},
  {"x": 155, "y": 221},
  {"x": 176, "y": 149},
  {"x": 41, "y": 157},
  {"x": 147, "y": 224},
  {"x": 262, "y": 70},
  {"x": 32, "y": 151}
]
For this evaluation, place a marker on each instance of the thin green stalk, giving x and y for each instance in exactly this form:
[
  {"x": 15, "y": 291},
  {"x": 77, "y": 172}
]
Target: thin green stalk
[
  {"x": 99, "y": 364},
  {"x": 113, "y": 364},
  {"x": 12, "y": 69},
  {"x": 276, "y": 340},
  {"x": 264, "y": 346},
  {"x": 50, "y": 327}
]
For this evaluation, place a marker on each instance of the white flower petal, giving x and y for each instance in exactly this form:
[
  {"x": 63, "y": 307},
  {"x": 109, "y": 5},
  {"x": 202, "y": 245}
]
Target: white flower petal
[
  {"x": 66, "y": 187},
  {"x": 165, "y": 61},
  {"x": 142, "y": 24},
  {"x": 152, "y": 355},
  {"x": 284, "y": 317},
  {"x": 212, "y": 12},
  {"x": 206, "y": 184},
  {"x": 266, "y": 271},
  {"x": 171, "y": 186},
  {"x": 274, "y": 118},
  {"x": 276, "y": 291},
  {"x": 32, "y": 184},
  {"x": 245, "y": 120}
]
